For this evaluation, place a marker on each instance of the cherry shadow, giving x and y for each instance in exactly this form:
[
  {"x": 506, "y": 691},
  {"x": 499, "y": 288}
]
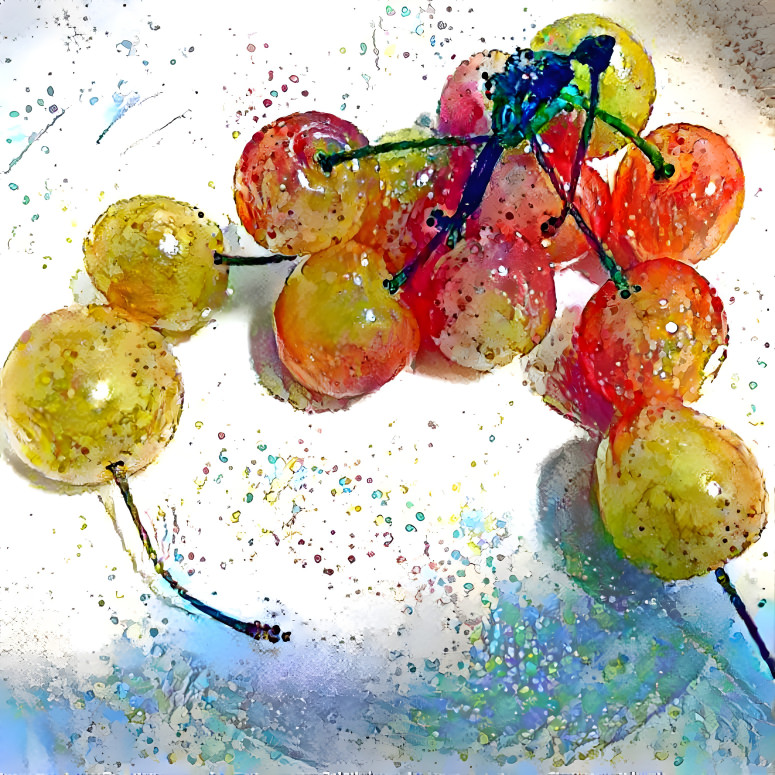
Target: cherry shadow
[{"x": 569, "y": 523}]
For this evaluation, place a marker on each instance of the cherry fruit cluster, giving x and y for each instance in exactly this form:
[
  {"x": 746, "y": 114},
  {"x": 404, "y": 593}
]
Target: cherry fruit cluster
[
  {"x": 467, "y": 226},
  {"x": 445, "y": 240}
]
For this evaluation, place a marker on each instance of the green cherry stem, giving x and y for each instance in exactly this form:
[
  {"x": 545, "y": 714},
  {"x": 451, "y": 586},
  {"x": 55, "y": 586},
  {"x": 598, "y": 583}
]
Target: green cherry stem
[
  {"x": 726, "y": 584},
  {"x": 569, "y": 97},
  {"x": 274, "y": 258},
  {"x": 328, "y": 161},
  {"x": 255, "y": 630},
  {"x": 662, "y": 169}
]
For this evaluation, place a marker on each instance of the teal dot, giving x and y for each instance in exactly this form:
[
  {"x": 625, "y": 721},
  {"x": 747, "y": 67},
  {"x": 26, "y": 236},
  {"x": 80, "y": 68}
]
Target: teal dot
[
  {"x": 173, "y": 61},
  {"x": 410, "y": 528},
  {"x": 405, "y": 11},
  {"x": 50, "y": 91},
  {"x": 26, "y": 200},
  {"x": 94, "y": 100},
  {"x": 419, "y": 516},
  {"x": 249, "y": 498},
  {"x": 44, "y": 148},
  {"x": 364, "y": 48},
  {"x": 492, "y": 438},
  {"x": 753, "y": 385},
  {"x": 41, "y": 103},
  {"x": 223, "y": 457},
  {"x": 262, "y": 447},
  {"x": 14, "y": 114},
  {"x": 13, "y": 186},
  {"x": 274, "y": 93},
  {"x": 272, "y": 459},
  {"x": 35, "y": 217},
  {"x": 468, "y": 586}
]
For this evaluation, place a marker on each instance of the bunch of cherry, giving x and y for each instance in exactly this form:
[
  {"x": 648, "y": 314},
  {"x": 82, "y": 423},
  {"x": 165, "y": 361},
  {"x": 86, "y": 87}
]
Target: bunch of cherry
[{"x": 445, "y": 241}]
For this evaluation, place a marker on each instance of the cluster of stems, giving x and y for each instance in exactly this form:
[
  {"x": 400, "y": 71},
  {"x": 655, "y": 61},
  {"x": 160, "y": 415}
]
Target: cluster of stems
[{"x": 569, "y": 98}]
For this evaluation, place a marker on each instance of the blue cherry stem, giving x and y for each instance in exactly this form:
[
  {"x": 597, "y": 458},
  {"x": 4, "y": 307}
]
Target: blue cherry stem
[
  {"x": 255, "y": 630},
  {"x": 726, "y": 584}
]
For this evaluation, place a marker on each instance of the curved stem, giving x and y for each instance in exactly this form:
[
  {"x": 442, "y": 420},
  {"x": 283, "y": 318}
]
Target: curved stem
[
  {"x": 255, "y": 630},
  {"x": 726, "y": 584},
  {"x": 662, "y": 169}
]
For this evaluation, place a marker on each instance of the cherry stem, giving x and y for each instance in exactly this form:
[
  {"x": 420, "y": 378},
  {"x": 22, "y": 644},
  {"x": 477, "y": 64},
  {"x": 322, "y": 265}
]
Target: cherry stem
[
  {"x": 662, "y": 169},
  {"x": 726, "y": 584},
  {"x": 607, "y": 260},
  {"x": 328, "y": 161},
  {"x": 569, "y": 97},
  {"x": 275, "y": 258},
  {"x": 255, "y": 630}
]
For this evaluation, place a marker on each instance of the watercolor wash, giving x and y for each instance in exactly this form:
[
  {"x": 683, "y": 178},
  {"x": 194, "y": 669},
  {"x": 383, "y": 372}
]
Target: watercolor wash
[{"x": 437, "y": 573}]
